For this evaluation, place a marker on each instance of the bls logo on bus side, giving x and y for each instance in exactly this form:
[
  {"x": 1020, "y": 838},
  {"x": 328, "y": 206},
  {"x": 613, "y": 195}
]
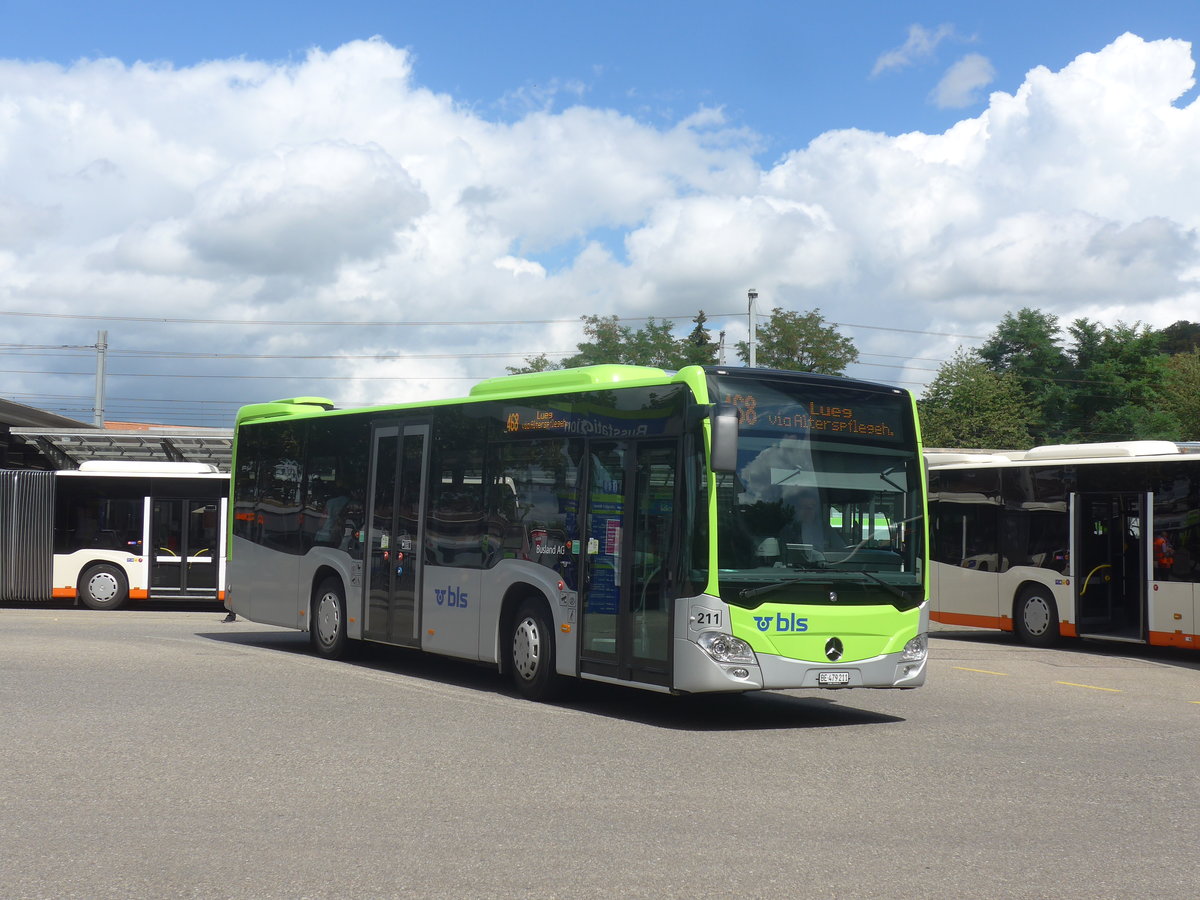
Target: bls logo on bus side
[{"x": 450, "y": 596}]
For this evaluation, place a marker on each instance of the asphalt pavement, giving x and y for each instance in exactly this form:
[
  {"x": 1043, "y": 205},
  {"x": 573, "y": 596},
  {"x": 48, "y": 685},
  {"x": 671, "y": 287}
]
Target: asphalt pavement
[{"x": 165, "y": 753}]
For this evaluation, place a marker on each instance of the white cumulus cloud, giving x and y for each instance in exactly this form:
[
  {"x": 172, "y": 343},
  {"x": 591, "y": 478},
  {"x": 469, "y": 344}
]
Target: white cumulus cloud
[
  {"x": 335, "y": 189},
  {"x": 963, "y": 81},
  {"x": 918, "y": 47}
]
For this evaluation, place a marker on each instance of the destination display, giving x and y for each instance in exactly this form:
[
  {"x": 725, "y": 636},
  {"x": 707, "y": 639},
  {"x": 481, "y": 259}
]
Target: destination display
[
  {"x": 631, "y": 413},
  {"x": 816, "y": 410},
  {"x": 536, "y": 420}
]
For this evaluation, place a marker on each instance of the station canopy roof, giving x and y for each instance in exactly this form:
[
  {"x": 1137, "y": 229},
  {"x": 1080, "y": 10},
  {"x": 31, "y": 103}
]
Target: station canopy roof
[{"x": 68, "y": 447}]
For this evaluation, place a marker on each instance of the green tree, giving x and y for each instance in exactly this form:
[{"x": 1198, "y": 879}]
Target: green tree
[
  {"x": 1114, "y": 390},
  {"x": 967, "y": 405},
  {"x": 1181, "y": 393},
  {"x": 800, "y": 341},
  {"x": 609, "y": 338},
  {"x": 1027, "y": 346},
  {"x": 610, "y": 342},
  {"x": 1180, "y": 337},
  {"x": 697, "y": 348},
  {"x": 1106, "y": 385},
  {"x": 539, "y": 363},
  {"x": 653, "y": 345}
]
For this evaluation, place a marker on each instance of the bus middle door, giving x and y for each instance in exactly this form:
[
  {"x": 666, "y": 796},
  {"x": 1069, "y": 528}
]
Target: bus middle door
[
  {"x": 395, "y": 534},
  {"x": 1111, "y": 574}
]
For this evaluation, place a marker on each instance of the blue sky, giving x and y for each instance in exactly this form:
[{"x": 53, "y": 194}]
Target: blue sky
[
  {"x": 788, "y": 70},
  {"x": 913, "y": 170}
]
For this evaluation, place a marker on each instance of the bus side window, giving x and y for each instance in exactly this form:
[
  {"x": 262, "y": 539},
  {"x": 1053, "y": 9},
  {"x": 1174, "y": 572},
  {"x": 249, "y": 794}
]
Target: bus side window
[{"x": 531, "y": 504}]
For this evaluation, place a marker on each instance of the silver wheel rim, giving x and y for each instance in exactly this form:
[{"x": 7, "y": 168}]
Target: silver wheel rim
[
  {"x": 328, "y": 619},
  {"x": 102, "y": 586},
  {"x": 527, "y": 648},
  {"x": 1036, "y": 615}
]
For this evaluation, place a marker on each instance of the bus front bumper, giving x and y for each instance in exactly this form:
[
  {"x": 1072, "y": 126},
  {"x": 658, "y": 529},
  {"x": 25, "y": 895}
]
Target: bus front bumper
[
  {"x": 696, "y": 671},
  {"x": 888, "y": 671}
]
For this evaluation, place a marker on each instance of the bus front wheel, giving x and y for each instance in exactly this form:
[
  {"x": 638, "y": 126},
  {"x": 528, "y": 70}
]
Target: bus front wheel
[
  {"x": 103, "y": 586},
  {"x": 327, "y": 630},
  {"x": 1036, "y": 617},
  {"x": 532, "y": 653}
]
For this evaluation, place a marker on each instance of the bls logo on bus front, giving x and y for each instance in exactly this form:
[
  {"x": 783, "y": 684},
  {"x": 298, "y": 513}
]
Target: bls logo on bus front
[
  {"x": 789, "y": 624},
  {"x": 450, "y": 596}
]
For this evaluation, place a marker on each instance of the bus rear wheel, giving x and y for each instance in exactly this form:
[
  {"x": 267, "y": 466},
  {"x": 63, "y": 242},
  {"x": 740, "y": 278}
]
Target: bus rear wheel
[
  {"x": 327, "y": 630},
  {"x": 103, "y": 586},
  {"x": 1036, "y": 617},
  {"x": 531, "y": 649}
]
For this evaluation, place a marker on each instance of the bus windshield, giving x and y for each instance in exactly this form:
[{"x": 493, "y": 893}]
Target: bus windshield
[{"x": 825, "y": 505}]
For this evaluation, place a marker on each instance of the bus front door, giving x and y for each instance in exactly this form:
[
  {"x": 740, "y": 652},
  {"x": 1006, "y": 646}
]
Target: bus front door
[
  {"x": 626, "y": 598},
  {"x": 1111, "y": 574},
  {"x": 394, "y": 534},
  {"x": 186, "y": 551}
]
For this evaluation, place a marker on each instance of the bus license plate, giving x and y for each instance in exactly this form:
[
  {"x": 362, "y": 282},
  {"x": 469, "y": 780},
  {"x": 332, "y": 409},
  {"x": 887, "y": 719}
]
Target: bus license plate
[{"x": 833, "y": 678}]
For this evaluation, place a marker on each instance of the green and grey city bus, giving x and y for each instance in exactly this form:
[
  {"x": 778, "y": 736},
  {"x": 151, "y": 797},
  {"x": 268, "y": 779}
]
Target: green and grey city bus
[{"x": 616, "y": 523}]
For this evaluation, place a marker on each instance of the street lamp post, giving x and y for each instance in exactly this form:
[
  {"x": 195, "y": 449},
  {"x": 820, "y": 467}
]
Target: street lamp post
[
  {"x": 101, "y": 352},
  {"x": 752, "y": 295}
]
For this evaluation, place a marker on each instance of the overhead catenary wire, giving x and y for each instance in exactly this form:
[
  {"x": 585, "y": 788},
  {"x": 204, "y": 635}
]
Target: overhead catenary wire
[
  {"x": 395, "y": 323},
  {"x": 349, "y": 357},
  {"x": 311, "y": 377},
  {"x": 29, "y": 351},
  {"x": 68, "y": 350}
]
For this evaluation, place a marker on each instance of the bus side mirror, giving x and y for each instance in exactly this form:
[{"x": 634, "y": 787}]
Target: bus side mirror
[{"x": 724, "y": 422}]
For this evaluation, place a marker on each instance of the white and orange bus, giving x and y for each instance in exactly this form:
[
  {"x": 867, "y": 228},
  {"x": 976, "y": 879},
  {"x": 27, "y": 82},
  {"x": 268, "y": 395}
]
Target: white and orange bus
[
  {"x": 1098, "y": 541},
  {"x": 113, "y": 531}
]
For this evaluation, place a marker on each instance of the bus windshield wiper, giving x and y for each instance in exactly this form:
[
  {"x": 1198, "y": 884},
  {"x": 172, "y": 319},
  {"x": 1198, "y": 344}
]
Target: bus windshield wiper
[
  {"x": 766, "y": 588},
  {"x": 884, "y": 584},
  {"x": 775, "y": 585},
  {"x": 889, "y": 471}
]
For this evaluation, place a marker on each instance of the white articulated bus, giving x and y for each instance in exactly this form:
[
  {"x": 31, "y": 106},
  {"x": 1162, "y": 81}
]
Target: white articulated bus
[
  {"x": 1076, "y": 540},
  {"x": 113, "y": 531}
]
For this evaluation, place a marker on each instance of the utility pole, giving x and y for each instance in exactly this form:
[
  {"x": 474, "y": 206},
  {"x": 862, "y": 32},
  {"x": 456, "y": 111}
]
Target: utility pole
[
  {"x": 101, "y": 352},
  {"x": 752, "y": 294},
  {"x": 721, "y": 350}
]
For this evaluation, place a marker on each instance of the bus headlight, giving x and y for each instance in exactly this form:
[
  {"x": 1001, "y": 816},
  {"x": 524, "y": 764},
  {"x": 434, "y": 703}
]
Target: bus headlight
[
  {"x": 914, "y": 649},
  {"x": 725, "y": 648}
]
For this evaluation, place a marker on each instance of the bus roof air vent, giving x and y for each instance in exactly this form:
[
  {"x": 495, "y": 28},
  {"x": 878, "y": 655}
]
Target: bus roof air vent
[
  {"x": 564, "y": 379},
  {"x": 1118, "y": 449},
  {"x": 146, "y": 467},
  {"x": 935, "y": 458},
  {"x": 293, "y": 406},
  {"x": 308, "y": 401}
]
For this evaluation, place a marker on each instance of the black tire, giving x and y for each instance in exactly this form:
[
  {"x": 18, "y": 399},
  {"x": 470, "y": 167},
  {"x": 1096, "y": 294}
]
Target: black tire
[
  {"x": 531, "y": 653},
  {"x": 1035, "y": 617},
  {"x": 327, "y": 629},
  {"x": 103, "y": 586}
]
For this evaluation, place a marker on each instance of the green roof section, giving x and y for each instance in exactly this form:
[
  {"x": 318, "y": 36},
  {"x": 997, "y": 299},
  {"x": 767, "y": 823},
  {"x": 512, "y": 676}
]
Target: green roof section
[
  {"x": 293, "y": 406},
  {"x": 566, "y": 380},
  {"x": 527, "y": 384}
]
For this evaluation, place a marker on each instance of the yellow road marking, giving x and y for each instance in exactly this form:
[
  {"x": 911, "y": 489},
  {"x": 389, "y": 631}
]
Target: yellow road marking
[
  {"x": 1090, "y": 687},
  {"x": 983, "y": 671}
]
